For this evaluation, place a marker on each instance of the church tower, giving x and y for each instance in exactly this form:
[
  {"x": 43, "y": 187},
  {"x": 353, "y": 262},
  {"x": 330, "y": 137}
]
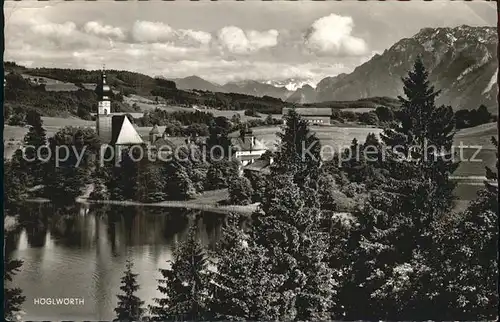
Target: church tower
[{"x": 104, "y": 116}]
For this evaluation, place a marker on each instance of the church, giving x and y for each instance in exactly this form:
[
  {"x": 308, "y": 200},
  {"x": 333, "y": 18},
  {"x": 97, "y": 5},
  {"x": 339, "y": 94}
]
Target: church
[{"x": 113, "y": 129}]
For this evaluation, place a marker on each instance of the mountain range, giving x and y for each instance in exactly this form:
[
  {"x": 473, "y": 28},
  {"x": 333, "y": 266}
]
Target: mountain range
[
  {"x": 247, "y": 87},
  {"x": 461, "y": 61}
]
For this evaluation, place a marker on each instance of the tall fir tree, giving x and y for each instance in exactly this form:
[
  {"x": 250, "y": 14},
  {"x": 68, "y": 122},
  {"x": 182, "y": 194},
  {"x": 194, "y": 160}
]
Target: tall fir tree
[
  {"x": 12, "y": 296},
  {"x": 243, "y": 288},
  {"x": 130, "y": 307},
  {"x": 185, "y": 285},
  {"x": 394, "y": 226},
  {"x": 425, "y": 132},
  {"x": 395, "y": 229},
  {"x": 296, "y": 244},
  {"x": 299, "y": 150}
]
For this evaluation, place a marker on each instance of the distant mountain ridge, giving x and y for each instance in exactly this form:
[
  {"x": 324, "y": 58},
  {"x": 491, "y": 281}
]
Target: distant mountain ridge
[
  {"x": 462, "y": 63},
  {"x": 247, "y": 87}
]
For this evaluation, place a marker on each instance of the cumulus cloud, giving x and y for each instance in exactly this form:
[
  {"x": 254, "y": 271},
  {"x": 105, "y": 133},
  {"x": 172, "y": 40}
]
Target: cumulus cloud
[
  {"x": 158, "y": 32},
  {"x": 237, "y": 41},
  {"x": 58, "y": 36},
  {"x": 332, "y": 35},
  {"x": 202, "y": 37},
  {"x": 55, "y": 30},
  {"x": 100, "y": 30},
  {"x": 147, "y": 31}
]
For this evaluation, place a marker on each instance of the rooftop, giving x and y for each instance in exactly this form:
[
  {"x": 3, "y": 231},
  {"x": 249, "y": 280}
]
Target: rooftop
[
  {"x": 260, "y": 165},
  {"x": 245, "y": 144},
  {"x": 310, "y": 111}
]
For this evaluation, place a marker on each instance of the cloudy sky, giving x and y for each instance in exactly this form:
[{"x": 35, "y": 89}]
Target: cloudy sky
[{"x": 225, "y": 40}]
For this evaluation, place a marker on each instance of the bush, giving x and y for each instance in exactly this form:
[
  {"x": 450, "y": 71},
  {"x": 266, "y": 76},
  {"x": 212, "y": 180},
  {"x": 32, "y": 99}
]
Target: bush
[
  {"x": 353, "y": 189},
  {"x": 250, "y": 112},
  {"x": 219, "y": 174},
  {"x": 17, "y": 120},
  {"x": 369, "y": 118},
  {"x": 240, "y": 191}
]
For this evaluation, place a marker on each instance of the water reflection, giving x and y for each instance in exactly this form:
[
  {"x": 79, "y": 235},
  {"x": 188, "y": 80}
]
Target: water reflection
[{"x": 81, "y": 252}]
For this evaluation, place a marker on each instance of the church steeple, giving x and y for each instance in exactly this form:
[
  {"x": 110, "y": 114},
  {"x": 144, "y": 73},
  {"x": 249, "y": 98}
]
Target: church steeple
[
  {"x": 102, "y": 88},
  {"x": 104, "y": 115},
  {"x": 104, "y": 92}
]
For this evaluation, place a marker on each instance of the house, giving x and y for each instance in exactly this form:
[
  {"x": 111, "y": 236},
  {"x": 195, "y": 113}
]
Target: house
[
  {"x": 261, "y": 165},
  {"x": 159, "y": 146},
  {"x": 247, "y": 147},
  {"x": 315, "y": 115}
]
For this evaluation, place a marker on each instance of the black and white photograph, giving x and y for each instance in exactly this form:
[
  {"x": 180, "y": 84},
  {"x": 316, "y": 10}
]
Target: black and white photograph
[{"x": 250, "y": 160}]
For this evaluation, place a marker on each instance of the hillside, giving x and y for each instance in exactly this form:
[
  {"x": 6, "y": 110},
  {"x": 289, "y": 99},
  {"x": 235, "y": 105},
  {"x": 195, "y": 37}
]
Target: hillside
[
  {"x": 255, "y": 88},
  {"x": 195, "y": 82},
  {"x": 461, "y": 61},
  {"x": 132, "y": 90}
]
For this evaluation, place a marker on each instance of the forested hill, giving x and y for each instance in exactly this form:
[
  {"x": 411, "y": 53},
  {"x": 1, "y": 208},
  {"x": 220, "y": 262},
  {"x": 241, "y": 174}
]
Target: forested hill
[{"x": 22, "y": 92}]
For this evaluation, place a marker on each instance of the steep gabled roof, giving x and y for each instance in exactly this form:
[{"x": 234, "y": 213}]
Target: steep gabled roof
[
  {"x": 260, "y": 165},
  {"x": 123, "y": 132},
  {"x": 245, "y": 144}
]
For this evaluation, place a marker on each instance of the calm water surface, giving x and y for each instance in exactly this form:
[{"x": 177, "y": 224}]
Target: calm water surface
[{"x": 78, "y": 252}]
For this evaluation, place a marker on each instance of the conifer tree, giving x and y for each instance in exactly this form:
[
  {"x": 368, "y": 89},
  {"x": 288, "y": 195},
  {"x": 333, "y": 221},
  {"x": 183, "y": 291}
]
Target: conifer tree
[
  {"x": 395, "y": 229},
  {"x": 425, "y": 132},
  {"x": 130, "y": 307},
  {"x": 394, "y": 226},
  {"x": 243, "y": 288},
  {"x": 13, "y": 298},
  {"x": 297, "y": 249},
  {"x": 185, "y": 285},
  {"x": 299, "y": 150}
]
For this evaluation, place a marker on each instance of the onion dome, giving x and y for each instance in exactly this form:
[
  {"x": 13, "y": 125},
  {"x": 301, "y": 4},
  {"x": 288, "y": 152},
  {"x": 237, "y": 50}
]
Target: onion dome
[{"x": 103, "y": 89}]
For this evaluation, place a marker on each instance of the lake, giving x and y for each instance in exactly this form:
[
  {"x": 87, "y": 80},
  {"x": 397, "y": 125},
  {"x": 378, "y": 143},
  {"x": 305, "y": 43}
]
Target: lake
[{"x": 80, "y": 253}]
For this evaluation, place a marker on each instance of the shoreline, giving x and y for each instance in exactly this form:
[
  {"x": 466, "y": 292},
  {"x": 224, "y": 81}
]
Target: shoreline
[{"x": 246, "y": 210}]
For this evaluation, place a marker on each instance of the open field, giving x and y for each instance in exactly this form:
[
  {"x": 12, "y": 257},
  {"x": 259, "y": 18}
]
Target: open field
[
  {"x": 146, "y": 104},
  {"x": 478, "y": 135},
  {"x": 52, "y": 84},
  {"x": 357, "y": 110},
  {"x": 133, "y": 114},
  {"x": 13, "y": 135},
  {"x": 333, "y": 136},
  {"x": 51, "y": 125},
  {"x": 336, "y": 137}
]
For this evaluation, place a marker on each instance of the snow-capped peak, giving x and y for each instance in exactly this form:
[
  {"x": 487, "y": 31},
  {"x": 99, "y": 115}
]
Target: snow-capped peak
[{"x": 291, "y": 84}]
